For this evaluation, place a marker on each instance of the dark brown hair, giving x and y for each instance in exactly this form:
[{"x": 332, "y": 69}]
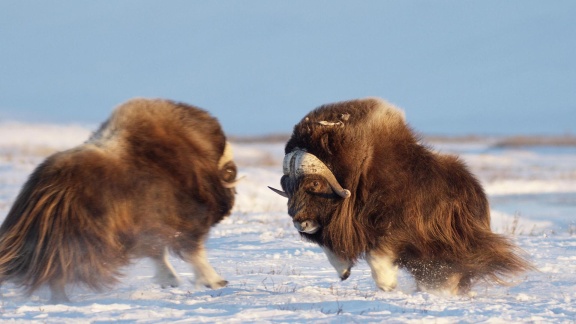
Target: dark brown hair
[
  {"x": 147, "y": 179},
  {"x": 422, "y": 207}
]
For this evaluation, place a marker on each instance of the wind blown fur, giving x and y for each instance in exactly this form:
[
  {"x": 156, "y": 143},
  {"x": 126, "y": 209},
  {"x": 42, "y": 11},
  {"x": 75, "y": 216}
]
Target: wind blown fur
[
  {"x": 151, "y": 179},
  {"x": 409, "y": 206}
]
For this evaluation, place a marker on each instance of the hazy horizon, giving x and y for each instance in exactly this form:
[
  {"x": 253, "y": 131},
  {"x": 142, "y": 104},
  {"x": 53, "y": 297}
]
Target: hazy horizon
[{"x": 456, "y": 68}]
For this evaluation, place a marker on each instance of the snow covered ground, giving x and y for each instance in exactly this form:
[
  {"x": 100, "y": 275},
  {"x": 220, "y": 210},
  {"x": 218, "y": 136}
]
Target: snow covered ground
[{"x": 276, "y": 277}]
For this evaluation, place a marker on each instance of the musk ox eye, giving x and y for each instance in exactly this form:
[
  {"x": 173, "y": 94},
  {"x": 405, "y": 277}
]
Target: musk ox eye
[
  {"x": 228, "y": 172},
  {"x": 316, "y": 186}
]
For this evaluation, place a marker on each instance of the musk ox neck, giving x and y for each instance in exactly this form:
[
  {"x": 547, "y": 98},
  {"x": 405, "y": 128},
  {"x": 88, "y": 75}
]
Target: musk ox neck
[
  {"x": 380, "y": 187},
  {"x": 347, "y": 233}
]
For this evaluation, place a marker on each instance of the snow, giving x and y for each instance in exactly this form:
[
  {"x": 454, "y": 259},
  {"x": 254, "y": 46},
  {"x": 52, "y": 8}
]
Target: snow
[{"x": 276, "y": 277}]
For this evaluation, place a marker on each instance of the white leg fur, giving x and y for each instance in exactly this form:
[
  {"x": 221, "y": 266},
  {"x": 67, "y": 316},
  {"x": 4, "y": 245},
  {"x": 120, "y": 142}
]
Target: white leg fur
[
  {"x": 165, "y": 274},
  {"x": 384, "y": 271},
  {"x": 203, "y": 271},
  {"x": 342, "y": 266}
]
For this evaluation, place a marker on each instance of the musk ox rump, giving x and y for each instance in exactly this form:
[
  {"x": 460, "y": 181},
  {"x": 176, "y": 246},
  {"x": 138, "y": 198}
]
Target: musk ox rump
[
  {"x": 360, "y": 184},
  {"x": 152, "y": 180}
]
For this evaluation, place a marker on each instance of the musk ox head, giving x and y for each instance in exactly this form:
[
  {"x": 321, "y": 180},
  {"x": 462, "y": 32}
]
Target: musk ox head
[
  {"x": 308, "y": 181},
  {"x": 327, "y": 157}
]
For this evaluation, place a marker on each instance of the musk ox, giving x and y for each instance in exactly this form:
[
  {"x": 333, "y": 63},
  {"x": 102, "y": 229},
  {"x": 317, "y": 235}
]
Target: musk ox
[
  {"x": 360, "y": 185},
  {"x": 152, "y": 179}
]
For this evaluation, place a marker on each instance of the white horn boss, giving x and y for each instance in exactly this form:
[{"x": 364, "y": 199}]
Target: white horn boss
[{"x": 300, "y": 162}]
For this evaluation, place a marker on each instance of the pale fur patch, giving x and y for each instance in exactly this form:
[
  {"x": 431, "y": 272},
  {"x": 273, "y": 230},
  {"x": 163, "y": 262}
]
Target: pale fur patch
[
  {"x": 342, "y": 266},
  {"x": 385, "y": 113},
  {"x": 203, "y": 271},
  {"x": 384, "y": 271},
  {"x": 165, "y": 274},
  {"x": 110, "y": 137},
  {"x": 449, "y": 288}
]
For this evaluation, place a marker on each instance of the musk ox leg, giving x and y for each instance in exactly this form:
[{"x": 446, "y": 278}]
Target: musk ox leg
[
  {"x": 465, "y": 285},
  {"x": 342, "y": 266},
  {"x": 203, "y": 271},
  {"x": 456, "y": 284},
  {"x": 384, "y": 271},
  {"x": 450, "y": 284},
  {"x": 165, "y": 275},
  {"x": 440, "y": 277},
  {"x": 58, "y": 292}
]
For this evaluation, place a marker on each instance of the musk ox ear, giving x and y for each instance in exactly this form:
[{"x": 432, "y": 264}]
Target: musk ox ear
[{"x": 280, "y": 192}]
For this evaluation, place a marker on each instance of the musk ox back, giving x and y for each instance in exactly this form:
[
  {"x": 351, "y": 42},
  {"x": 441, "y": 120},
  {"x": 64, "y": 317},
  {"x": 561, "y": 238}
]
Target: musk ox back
[
  {"x": 360, "y": 184},
  {"x": 154, "y": 178}
]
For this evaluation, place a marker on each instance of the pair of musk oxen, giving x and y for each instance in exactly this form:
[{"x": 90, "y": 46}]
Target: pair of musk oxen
[{"x": 158, "y": 174}]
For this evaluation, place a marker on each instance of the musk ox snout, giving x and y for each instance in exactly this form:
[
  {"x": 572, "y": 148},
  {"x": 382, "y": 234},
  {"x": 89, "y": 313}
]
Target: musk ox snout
[{"x": 308, "y": 226}]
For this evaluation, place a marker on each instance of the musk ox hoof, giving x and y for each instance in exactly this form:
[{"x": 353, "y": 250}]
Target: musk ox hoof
[
  {"x": 167, "y": 281},
  {"x": 387, "y": 288},
  {"x": 345, "y": 274},
  {"x": 171, "y": 285},
  {"x": 217, "y": 285}
]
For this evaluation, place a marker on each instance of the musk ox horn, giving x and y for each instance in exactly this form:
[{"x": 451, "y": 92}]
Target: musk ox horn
[
  {"x": 300, "y": 162},
  {"x": 227, "y": 155},
  {"x": 280, "y": 192},
  {"x": 233, "y": 184}
]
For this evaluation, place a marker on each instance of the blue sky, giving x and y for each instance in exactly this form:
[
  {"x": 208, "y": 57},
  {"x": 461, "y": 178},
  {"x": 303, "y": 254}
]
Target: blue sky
[{"x": 455, "y": 67}]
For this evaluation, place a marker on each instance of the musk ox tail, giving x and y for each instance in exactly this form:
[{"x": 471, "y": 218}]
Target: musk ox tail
[
  {"x": 497, "y": 259},
  {"x": 54, "y": 235}
]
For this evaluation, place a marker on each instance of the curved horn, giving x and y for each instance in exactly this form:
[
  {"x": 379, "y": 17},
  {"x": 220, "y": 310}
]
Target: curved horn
[
  {"x": 227, "y": 155},
  {"x": 232, "y": 184},
  {"x": 287, "y": 160},
  {"x": 280, "y": 192},
  {"x": 299, "y": 162}
]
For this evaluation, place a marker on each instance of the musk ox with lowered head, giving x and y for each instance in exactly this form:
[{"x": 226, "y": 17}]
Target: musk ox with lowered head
[
  {"x": 360, "y": 185},
  {"x": 154, "y": 178}
]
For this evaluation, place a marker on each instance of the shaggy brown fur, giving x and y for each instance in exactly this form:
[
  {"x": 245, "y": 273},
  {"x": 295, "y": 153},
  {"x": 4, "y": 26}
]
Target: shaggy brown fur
[
  {"x": 423, "y": 210},
  {"x": 147, "y": 180}
]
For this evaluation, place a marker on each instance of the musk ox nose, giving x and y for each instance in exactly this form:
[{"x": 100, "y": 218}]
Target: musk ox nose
[{"x": 307, "y": 226}]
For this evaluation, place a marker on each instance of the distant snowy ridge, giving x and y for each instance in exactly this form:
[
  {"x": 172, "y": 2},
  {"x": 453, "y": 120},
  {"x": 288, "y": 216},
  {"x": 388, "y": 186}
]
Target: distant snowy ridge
[{"x": 14, "y": 134}]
